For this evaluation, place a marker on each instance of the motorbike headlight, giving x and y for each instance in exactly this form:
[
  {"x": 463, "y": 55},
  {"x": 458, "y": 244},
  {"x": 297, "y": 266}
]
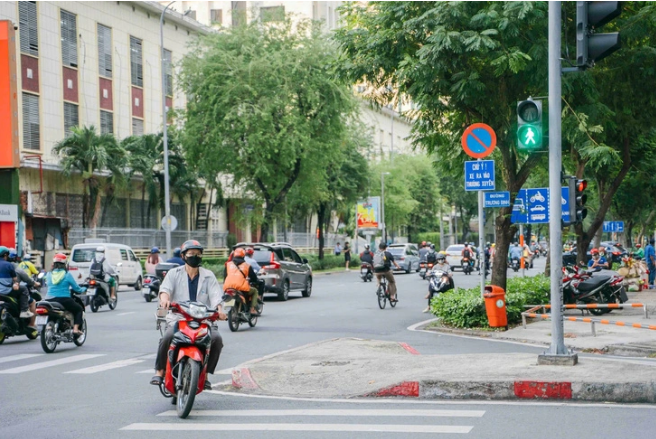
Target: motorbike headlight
[{"x": 197, "y": 311}]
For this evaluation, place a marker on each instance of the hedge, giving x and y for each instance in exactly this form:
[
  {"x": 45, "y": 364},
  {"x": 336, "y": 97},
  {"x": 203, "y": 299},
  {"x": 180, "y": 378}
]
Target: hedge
[{"x": 465, "y": 308}]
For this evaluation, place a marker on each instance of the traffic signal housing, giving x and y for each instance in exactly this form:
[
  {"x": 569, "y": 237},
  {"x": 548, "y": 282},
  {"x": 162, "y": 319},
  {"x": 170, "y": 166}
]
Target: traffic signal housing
[
  {"x": 577, "y": 200},
  {"x": 591, "y": 46},
  {"x": 529, "y": 125}
]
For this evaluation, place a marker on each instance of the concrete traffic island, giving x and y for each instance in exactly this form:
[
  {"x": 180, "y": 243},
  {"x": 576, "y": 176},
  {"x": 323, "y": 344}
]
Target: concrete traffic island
[{"x": 355, "y": 368}]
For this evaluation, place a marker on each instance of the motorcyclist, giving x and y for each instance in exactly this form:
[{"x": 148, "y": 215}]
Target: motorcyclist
[
  {"x": 102, "y": 269},
  {"x": 193, "y": 283},
  {"x": 431, "y": 256},
  {"x": 176, "y": 259},
  {"x": 240, "y": 276},
  {"x": 597, "y": 260},
  {"x": 27, "y": 265},
  {"x": 25, "y": 278},
  {"x": 515, "y": 252},
  {"x": 423, "y": 251},
  {"x": 445, "y": 268},
  {"x": 9, "y": 285},
  {"x": 467, "y": 253},
  {"x": 639, "y": 252},
  {"x": 487, "y": 254},
  {"x": 367, "y": 256},
  {"x": 383, "y": 261},
  {"x": 60, "y": 283}
]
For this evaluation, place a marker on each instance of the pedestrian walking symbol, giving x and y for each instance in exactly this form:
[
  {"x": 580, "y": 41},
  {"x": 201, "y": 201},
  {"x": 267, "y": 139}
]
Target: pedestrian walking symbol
[
  {"x": 478, "y": 140},
  {"x": 528, "y": 135}
]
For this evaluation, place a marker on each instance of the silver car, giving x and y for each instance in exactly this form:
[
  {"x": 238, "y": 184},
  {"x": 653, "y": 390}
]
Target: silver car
[{"x": 406, "y": 255}]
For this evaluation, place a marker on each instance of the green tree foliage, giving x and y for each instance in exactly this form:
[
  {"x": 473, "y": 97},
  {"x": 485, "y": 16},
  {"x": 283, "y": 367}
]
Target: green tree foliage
[
  {"x": 88, "y": 153},
  {"x": 264, "y": 99},
  {"x": 461, "y": 62}
]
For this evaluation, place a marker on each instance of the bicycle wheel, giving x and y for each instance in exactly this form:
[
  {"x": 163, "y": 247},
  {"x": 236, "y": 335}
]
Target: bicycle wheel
[
  {"x": 392, "y": 302},
  {"x": 382, "y": 300}
]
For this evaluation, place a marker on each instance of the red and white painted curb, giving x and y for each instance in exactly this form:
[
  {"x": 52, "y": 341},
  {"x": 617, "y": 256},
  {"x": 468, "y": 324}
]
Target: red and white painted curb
[
  {"x": 242, "y": 379},
  {"x": 520, "y": 389}
]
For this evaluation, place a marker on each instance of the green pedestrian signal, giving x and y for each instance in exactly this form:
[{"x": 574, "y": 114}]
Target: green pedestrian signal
[{"x": 529, "y": 125}]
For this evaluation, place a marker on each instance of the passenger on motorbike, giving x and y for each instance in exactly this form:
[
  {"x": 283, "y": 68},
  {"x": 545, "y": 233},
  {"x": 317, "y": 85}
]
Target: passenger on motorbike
[
  {"x": 193, "y": 283},
  {"x": 597, "y": 260},
  {"x": 104, "y": 270},
  {"x": 28, "y": 281},
  {"x": 176, "y": 259},
  {"x": 515, "y": 252},
  {"x": 467, "y": 253},
  {"x": 9, "y": 285},
  {"x": 240, "y": 276},
  {"x": 27, "y": 265},
  {"x": 431, "y": 256},
  {"x": 60, "y": 283},
  {"x": 251, "y": 261}
]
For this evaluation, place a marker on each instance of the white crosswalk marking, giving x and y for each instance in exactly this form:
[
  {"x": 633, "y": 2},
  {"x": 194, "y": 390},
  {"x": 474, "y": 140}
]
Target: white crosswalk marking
[
  {"x": 383, "y": 428},
  {"x": 107, "y": 366},
  {"x": 329, "y": 412},
  {"x": 18, "y": 357},
  {"x": 46, "y": 364}
]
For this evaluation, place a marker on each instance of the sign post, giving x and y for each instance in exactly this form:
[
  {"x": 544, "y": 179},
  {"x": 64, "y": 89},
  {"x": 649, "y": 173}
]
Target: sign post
[{"x": 478, "y": 141}]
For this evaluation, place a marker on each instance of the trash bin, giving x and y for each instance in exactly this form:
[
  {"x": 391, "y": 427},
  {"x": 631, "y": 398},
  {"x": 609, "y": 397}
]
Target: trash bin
[{"x": 495, "y": 306}]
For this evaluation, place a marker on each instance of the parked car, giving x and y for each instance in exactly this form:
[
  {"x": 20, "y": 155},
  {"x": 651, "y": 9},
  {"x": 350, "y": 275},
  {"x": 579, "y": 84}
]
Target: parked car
[
  {"x": 283, "y": 270},
  {"x": 454, "y": 255},
  {"x": 120, "y": 257},
  {"x": 406, "y": 255}
]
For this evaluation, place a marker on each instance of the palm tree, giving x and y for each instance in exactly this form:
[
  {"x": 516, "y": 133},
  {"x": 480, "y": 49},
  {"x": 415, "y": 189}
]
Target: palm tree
[
  {"x": 145, "y": 155},
  {"x": 87, "y": 152}
]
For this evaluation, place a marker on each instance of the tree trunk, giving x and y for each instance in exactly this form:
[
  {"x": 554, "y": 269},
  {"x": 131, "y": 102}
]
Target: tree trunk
[
  {"x": 321, "y": 221},
  {"x": 268, "y": 220},
  {"x": 143, "y": 199},
  {"x": 505, "y": 232}
]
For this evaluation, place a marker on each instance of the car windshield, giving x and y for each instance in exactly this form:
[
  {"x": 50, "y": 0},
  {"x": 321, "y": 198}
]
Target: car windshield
[
  {"x": 455, "y": 248},
  {"x": 396, "y": 251},
  {"x": 83, "y": 254},
  {"x": 262, "y": 256}
]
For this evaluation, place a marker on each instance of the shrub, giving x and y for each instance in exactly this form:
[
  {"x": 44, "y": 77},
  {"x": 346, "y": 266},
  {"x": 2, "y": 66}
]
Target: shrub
[
  {"x": 465, "y": 308},
  {"x": 330, "y": 261},
  {"x": 433, "y": 237}
]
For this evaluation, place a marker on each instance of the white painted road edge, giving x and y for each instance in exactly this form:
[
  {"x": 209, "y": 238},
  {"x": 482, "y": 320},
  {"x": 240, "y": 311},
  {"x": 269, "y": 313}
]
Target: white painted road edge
[
  {"x": 384, "y": 428},
  {"x": 337, "y": 412}
]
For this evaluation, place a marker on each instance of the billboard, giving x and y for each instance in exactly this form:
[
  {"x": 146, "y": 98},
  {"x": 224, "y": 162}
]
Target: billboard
[
  {"x": 8, "y": 97},
  {"x": 368, "y": 213}
]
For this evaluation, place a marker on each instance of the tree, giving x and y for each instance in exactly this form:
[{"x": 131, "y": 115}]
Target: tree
[
  {"x": 263, "y": 99},
  {"x": 460, "y": 63},
  {"x": 87, "y": 152},
  {"x": 143, "y": 158}
]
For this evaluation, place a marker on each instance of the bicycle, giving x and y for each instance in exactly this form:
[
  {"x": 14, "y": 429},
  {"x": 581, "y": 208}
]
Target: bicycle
[{"x": 383, "y": 295}]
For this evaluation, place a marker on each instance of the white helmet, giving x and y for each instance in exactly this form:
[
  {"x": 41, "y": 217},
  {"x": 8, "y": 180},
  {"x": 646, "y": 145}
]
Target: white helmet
[{"x": 100, "y": 253}]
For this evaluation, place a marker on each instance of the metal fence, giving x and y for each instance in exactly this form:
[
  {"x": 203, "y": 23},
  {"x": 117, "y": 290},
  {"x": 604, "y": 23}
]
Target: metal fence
[
  {"x": 146, "y": 238},
  {"x": 310, "y": 240}
]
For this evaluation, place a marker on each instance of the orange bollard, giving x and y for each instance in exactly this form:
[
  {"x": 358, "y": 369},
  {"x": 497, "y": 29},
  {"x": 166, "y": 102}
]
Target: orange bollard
[{"x": 495, "y": 306}]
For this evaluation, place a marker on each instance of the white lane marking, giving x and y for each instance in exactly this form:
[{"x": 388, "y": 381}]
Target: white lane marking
[
  {"x": 52, "y": 363},
  {"x": 125, "y": 313},
  {"x": 151, "y": 370},
  {"x": 376, "y": 401},
  {"x": 107, "y": 366},
  {"x": 385, "y": 428},
  {"x": 224, "y": 372},
  {"x": 18, "y": 357},
  {"x": 338, "y": 412}
]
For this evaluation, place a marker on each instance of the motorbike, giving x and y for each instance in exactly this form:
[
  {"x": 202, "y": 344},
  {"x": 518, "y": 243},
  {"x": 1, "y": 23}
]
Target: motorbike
[
  {"x": 56, "y": 324},
  {"x": 587, "y": 287},
  {"x": 98, "y": 294},
  {"x": 514, "y": 264},
  {"x": 366, "y": 272},
  {"x": 467, "y": 265},
  {"x": 424, "y": 268},
  {"x": 151, "y": 287},
  {"x": 438, "y": 282},
  {"x": 186, "y": 364},
  {"x": 11, "y": 325},
  {"x": 238, "y": 309}
]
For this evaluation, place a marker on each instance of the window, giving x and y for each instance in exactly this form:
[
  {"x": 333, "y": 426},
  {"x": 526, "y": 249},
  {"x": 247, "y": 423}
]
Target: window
[
  {"x": 106, "y": 122},
  {"x": 136, "y": 62},
  {"x": 104, "y": 51},
  {"x": 71, "y": 118},
  {"x": 216, "y": 16},
  {"x": 132, "y": 256},
  {"x": 31, "y": 126},
  {"x": 29, "y": 36},
  {"x": 168, "y": 67},
  {"x": 69, "y": 39},
  {"x": 124, "y": 255},
  {"x": 83, "y": 255},
  {"x": 296, "y": 257},
  {"x": 272, "y": 13},
  {"x": 137, "y": 127}
]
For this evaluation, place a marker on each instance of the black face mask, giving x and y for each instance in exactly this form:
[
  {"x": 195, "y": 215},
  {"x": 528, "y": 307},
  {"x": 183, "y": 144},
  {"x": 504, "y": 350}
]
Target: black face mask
[{"x": 194, "y": 261}]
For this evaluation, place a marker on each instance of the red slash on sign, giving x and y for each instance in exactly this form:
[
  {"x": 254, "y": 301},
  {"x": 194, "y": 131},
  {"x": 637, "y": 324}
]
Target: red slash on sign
[{"x": 479, "y": 140}]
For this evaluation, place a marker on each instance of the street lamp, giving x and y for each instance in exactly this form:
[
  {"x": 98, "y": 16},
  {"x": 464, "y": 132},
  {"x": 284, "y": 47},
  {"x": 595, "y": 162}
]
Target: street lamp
[
  {"x": 167, "y": 201},
  {"x": 382, "y": 204}
]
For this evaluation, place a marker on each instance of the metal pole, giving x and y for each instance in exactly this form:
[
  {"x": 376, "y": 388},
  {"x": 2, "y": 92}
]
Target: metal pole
[
  {"x": 557, "y": 353},
  {"x": 392, "y": 139},
  {"x": 167, "y": 201},
  {"x": 357, "y": 237},
  {"x": 481, "y": 239},
  {"x": 441, "y": 227},
  {"x": 382, "y": 205},
  {"x": 521, "y": 244}
]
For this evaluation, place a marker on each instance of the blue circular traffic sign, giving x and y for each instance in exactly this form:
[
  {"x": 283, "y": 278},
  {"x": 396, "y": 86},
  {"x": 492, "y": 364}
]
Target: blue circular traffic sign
[{"x": 479, "y": 140}]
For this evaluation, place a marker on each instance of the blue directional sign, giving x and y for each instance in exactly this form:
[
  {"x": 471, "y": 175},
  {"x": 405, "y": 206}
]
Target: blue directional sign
[
  {"x": 497, "y": 199},
  {"x": 519, "y": 212},
  {"x": 538, "y": 205},
  {"x": 614, "y": 226},
  {"x": 479, "y": 175},
  {"x": 564, "y": 201}
]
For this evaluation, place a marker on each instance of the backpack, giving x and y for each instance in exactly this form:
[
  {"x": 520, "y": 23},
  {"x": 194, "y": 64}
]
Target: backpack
[
  {"x": 96, "y": 269},
  {"x": 431, "y": 257},
  {"x": 466, "y": 254},
  {"x": 380, "y": 261}
]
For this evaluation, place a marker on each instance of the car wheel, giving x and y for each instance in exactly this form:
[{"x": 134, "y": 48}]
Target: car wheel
[
  {"x": 308, "y": 287},
  {"x": 139, "y": 285},
  {"x": 284, "y": 294}
]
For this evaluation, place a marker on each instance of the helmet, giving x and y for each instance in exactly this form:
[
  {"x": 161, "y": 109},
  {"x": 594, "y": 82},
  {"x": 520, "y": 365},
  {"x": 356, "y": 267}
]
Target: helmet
[
  {"x": 250, "y": 251},
  {"x": 3, "y": 251},
  {"x": 366, "y": 246},
  {"x": 189, "y": 245},
  {"x": 176, "y": 252},
  {"x": 429, "y": 243},
  {"x": 432, "y": 246},
  {"x": 12, "y": 253},
  {"x": 423, "y": 243},
  {"x": 487, "y": 243},
  {"x": 239, "y": 253},
  {"x": 100, "y": 249},
  {"x": 638, "y": 245},
  {"x": 440, "y": 257},
  {"x": 594, "y": 251},
  {"x": 494, "y": 244},
  {"x": 28, "y": 257},
  {"x": 60, "y": 258},
  {"x": 154, "y": 250}
]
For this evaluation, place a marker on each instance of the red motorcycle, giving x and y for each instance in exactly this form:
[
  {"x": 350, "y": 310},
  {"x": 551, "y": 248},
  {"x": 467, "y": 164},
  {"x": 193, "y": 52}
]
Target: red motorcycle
[{"x": 186, "y": 364}]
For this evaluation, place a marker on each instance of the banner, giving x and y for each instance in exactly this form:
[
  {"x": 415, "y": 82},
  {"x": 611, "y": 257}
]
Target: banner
[{"x": 368, "y": 213}]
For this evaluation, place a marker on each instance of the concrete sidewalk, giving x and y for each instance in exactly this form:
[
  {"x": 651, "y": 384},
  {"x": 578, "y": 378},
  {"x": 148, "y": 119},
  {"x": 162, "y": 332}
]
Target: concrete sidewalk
[{"x": 348, "y": 368}]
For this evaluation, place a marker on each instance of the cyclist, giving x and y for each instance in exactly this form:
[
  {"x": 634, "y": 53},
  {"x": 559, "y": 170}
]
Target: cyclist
[{"x": 383, "y": 261}]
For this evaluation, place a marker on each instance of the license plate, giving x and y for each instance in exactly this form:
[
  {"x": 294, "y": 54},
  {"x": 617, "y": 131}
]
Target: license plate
[
  {"x": 41, "y": 320},
  {"x": 363, "y": 271},
  {"x": 229, "y": 304},
  {"x": 91, "y": 292}
]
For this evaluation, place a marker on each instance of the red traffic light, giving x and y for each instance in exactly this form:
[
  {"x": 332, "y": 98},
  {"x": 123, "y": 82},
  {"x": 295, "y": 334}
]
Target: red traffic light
[{"x": 581, "y": 185}]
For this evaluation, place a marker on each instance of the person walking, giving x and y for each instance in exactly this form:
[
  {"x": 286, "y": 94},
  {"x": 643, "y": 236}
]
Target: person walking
[
  {"x": 650, "y": 256},
  {"x": 347, "y": 255}
]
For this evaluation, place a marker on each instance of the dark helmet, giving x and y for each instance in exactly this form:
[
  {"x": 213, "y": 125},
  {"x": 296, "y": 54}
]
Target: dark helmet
[
  {"x": 432, "y": 246},
  {"x": 177, "y": 252},
  {"x": 441, "y": 257},
  {"x": 191, "y": 244},
  {"x": 154, "y": 250}
]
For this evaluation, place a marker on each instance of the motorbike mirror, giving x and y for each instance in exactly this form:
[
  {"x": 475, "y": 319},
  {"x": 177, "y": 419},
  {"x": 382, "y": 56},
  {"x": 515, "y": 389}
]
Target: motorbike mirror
[
  {"x": 120, "y": 264},
  {"x": 227, "y": 297},
  {"x": 41, "y": 275}
]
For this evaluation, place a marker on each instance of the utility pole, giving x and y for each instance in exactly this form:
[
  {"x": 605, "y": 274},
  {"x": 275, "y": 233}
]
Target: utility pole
[
  {"x": 382, "y": 204},
  {"x": 557, "y": 352},
  {"x": 167, "y": 199},
  {"x": 392, "y": 138}
]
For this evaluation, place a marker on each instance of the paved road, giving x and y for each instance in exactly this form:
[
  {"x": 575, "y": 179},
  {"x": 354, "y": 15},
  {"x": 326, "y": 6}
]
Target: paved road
[{"x": 101, "y": 390}]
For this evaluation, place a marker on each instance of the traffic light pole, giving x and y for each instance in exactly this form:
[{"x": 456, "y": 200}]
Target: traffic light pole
[{"x": 557, "y": 353}]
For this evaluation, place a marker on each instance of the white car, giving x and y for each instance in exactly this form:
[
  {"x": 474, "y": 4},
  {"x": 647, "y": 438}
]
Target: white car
[
  {"x": 120, "y": 257},
  {"x": 538, "y": 208},
  {"x": 454, "y": 255}
]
